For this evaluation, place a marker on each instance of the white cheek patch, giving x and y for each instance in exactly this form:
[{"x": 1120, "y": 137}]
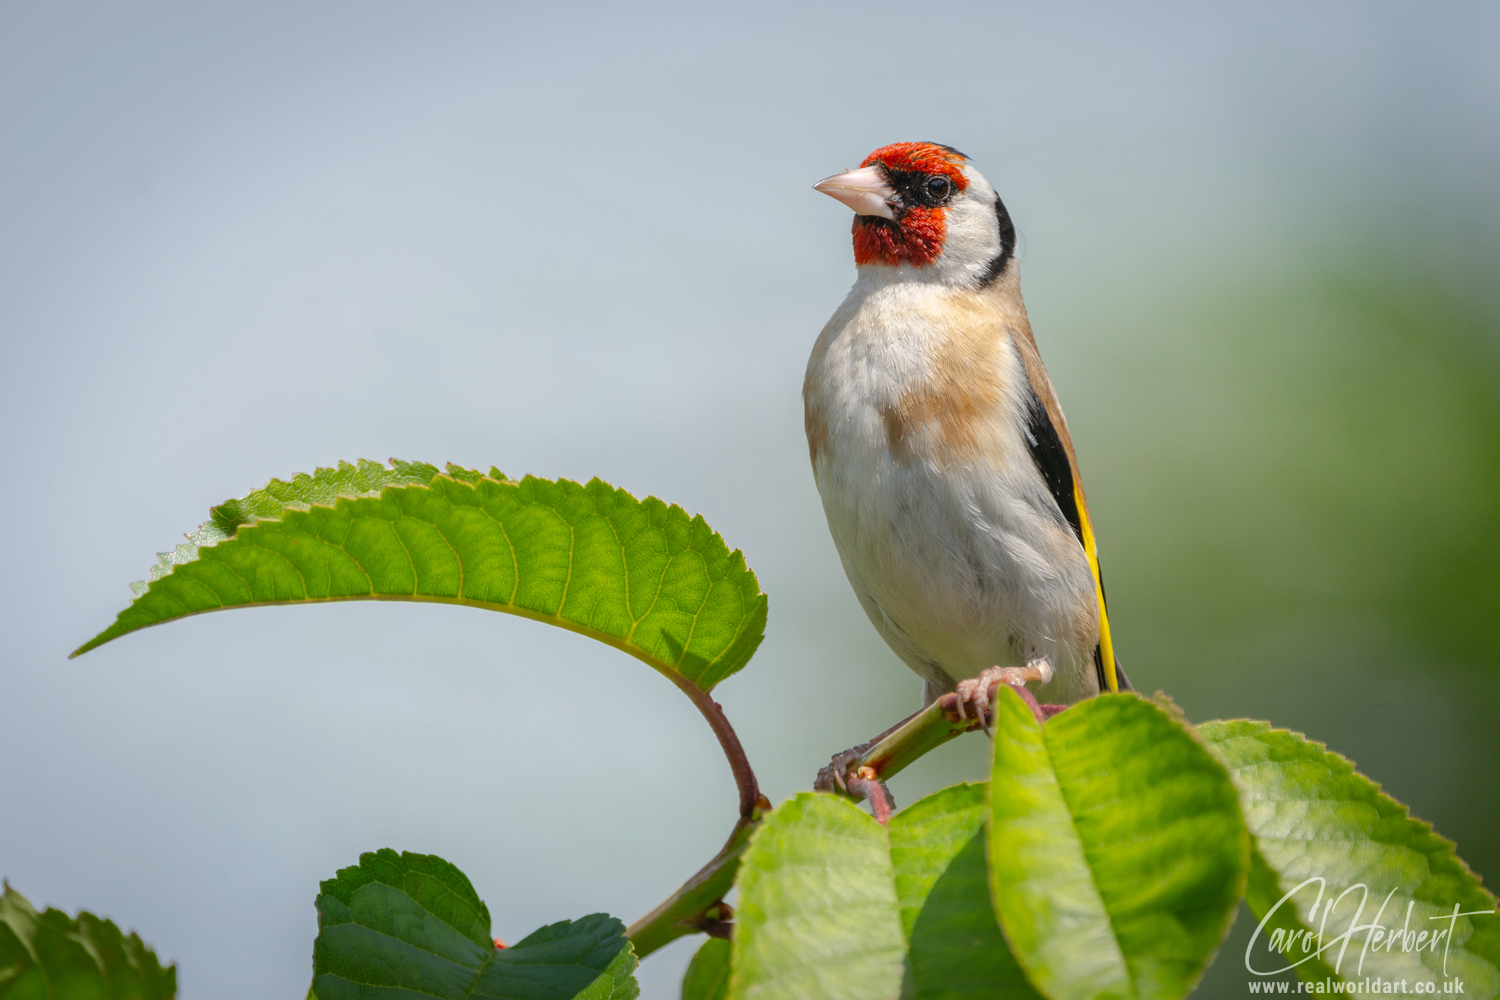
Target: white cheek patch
[{"x": 973, "y": 235}]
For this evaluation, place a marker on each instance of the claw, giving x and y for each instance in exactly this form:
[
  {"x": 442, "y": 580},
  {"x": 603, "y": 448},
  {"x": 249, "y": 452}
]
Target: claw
[
  {"x": 835, "y": 777},
  {"x": 863, "y": 783},
  {"x": 979, "y": 692}
]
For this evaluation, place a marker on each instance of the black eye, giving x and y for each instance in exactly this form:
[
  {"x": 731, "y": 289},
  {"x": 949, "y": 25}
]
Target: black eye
[{"x": 937, "y": 188}]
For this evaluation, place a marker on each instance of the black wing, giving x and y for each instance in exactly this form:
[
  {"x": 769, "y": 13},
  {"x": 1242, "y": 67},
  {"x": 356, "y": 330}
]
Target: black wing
[{"x": 1051, "y": 460}]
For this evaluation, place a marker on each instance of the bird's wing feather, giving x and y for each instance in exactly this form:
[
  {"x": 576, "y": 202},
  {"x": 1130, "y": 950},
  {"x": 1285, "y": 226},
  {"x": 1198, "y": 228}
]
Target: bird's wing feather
[{"x": 1052, "y": 450}]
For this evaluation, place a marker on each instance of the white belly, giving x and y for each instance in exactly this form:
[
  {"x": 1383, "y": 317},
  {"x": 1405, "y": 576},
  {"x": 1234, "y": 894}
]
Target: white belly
[{"x": 946, "y": 529}]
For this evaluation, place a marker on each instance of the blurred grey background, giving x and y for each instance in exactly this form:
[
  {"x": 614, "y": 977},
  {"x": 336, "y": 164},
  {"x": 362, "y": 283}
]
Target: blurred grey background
[{"x": 1260, "y": 245}]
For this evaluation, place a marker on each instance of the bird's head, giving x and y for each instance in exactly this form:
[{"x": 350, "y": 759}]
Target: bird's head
[{"x": 921, "y": 205}]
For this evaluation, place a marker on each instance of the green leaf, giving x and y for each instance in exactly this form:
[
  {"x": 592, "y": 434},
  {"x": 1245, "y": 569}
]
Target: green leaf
[
  {"x": 833, "y": 905},
  {"x": 1327, "y": 836},
  {"x": 637, "y": 574},
  {"x": 50, "y": 954},
  {"x": 410, "y": 925},
  {"x": 956, "y": 949},
  {"x": 589, "y": 959},
  {"x": 707, "y": 976},
  {"x": 1117, "y": 850},
  {"x": 818, "y": 914}
]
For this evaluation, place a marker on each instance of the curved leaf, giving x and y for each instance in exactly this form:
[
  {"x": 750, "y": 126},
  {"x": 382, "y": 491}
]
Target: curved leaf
[
  {"x": 410, "y": 925},
  {"x": 637, "y": 574},
  {"x": 833, "y": 905},
  {"x": 818, "y": 914},
  {"x": 50, "y": 954},
  {"x": 1117, "y": 850},
  {"x": 1385, "y": 885},
  {"x": 955, "y": 946},
  {"x": 707, "y": 976}
]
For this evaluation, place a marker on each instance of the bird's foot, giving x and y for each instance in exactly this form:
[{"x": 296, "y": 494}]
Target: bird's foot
[
  {"x": 861, "y": 783},
  {"x": 974, "y": 696},
  {"x": 835, "y": 777}
]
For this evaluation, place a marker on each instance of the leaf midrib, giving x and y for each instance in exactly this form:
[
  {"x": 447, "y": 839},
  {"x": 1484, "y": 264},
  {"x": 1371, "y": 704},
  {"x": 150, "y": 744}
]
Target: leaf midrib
[{"x": 1114, "y": 932}]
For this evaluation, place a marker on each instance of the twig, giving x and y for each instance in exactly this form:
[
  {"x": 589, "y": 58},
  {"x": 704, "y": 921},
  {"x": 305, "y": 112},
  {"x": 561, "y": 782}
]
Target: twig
[
  {"x": 744, "y": 776},
  {"x": 699, "y": 905},
  {"x": 894, "y": 750},
  {"x": 924, "y": 732}
]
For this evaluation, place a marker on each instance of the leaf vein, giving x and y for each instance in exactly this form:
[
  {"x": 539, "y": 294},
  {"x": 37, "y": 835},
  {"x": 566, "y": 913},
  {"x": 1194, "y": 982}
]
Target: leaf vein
[{"x": 300, "y": 578}]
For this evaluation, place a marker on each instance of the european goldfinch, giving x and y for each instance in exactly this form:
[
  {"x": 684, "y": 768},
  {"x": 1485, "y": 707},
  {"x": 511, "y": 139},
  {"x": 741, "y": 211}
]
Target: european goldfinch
[{"x": 939, "y": 448}]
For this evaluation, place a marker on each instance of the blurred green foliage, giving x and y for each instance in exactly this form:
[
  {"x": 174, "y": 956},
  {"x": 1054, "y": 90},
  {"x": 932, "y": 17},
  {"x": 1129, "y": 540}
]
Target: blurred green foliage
[
  {"x": 1298, "y": 494},
  {"x": 1319, "y": 443}
]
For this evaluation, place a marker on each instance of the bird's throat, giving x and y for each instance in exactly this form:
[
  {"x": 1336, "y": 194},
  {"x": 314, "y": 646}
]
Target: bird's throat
[{"x": 915, "y": 237}]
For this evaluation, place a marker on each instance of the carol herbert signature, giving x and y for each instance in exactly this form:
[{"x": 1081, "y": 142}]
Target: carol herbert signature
[{"x": 1333, "y": 924}]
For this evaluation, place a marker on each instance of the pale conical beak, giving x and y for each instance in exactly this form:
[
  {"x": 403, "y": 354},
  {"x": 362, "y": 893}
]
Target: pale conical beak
[{"x": 863, "y": 190}]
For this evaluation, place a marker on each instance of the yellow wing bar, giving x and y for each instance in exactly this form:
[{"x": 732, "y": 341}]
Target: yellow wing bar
[{"x": 1106, "y": 647}]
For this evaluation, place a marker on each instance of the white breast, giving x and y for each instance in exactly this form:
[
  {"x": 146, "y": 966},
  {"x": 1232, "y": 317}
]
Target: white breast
[{"x": 916, "y": 400}]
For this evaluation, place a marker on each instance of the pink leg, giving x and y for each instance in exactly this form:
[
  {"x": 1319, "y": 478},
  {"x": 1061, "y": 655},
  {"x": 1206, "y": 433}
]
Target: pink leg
[{"x": 976, "y": 694}]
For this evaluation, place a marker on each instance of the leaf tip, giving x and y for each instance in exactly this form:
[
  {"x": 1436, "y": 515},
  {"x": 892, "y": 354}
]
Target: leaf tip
[{"x": 93, "y": 643}]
